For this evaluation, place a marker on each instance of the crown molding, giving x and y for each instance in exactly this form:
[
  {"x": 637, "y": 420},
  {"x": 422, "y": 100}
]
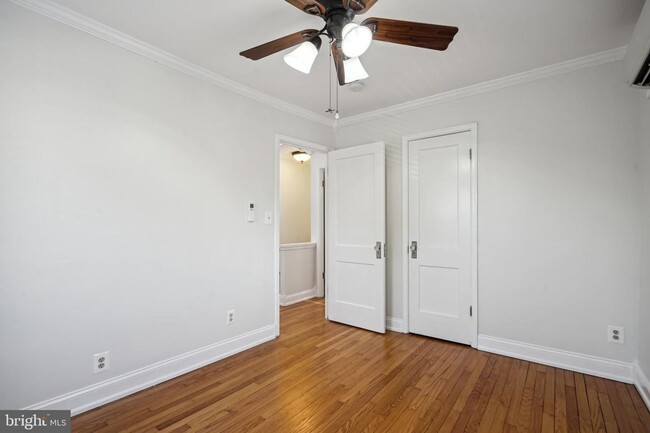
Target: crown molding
[
  {"x": 492, "y": 85},
  {"x": 109, "y": 34}
]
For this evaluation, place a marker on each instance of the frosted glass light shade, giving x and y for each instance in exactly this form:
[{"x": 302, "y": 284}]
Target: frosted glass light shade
[
  {"x": 354, "y": 70},
  {"x": 301, "y": 156},
  {"x": 356, "y": 39},
  {"x": 302, "y": 58}
]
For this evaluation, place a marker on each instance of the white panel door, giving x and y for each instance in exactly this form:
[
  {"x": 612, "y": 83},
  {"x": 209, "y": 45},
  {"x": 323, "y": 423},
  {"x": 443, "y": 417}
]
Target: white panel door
[
  {"x": 356, "y": 227},
  {"x": 440, "y": 237}
]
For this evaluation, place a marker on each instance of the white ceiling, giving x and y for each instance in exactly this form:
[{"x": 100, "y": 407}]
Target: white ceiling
[
  {"x": 286, "y": 150},
  {"x": 496, "y": 38}
]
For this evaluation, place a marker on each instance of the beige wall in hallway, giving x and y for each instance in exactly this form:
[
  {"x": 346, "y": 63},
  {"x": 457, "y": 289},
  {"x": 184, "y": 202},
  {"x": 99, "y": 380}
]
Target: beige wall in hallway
[{"x": 295, "y": 200}]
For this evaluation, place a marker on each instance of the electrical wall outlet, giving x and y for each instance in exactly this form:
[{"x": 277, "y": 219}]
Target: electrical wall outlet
[
  {"x": 616, "y": 334},
  {"x": 230, "y": 317},
  {"x": 100, "y": 362}
]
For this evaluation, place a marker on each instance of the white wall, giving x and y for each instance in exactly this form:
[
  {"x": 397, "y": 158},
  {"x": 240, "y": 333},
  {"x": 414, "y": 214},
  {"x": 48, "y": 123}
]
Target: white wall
[
  {"x": 318, "y": 162},
  {"x": 559, "y": 214},
  {"x": 123, "y": 191},
  {"x": 295, "y": 200},
  {"x": 123, "y": 187},
  {"x": 644, "y": 304}
]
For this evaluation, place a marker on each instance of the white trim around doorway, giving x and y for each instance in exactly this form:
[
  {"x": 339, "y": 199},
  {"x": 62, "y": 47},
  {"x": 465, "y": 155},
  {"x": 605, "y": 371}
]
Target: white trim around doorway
[{"x": 473, "y": 129}]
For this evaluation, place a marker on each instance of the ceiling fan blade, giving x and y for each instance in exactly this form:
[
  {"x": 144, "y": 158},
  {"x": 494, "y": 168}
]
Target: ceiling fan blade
[
  {"x": 338, "y": 57},
  {"x": 360, "y": 6},
  {"x": 431, "y": 36},
  {"x": 279, "y": 44},
  {"x": 311, "y": 7}
]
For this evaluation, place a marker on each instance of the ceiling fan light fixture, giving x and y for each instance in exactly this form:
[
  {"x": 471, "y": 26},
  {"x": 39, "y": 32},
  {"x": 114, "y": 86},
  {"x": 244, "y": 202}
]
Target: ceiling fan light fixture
[
  {"x": 303, "y": 57},
  {"x": 354, "y": 70},
  {"x": 356, "y": 39},
  {"x": 301, "y": 156}
]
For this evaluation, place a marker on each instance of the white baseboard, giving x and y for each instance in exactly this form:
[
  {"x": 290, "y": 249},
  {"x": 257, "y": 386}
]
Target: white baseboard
[
  {"x": 592, "y": 365},
  {"x": 286, "y": 300},
  {"x": 642, "y": 384},
  {"x": 394, "y": 324},
  {"x": 113, "y": 389}
]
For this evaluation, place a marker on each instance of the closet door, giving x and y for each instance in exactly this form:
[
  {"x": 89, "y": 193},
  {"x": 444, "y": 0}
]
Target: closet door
[{"x": 440, "y": 204}]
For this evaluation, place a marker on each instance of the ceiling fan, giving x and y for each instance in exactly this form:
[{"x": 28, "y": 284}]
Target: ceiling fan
[{"x": 348, "y": 39}]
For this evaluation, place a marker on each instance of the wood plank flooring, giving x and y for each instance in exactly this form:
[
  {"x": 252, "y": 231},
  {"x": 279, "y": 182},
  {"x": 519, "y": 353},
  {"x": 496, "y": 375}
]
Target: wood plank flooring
[{"x": 323, "y": 377}]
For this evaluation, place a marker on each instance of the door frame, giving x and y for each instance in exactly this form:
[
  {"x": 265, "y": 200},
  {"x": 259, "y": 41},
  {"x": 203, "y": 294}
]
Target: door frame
[
  {"x": 281, "y": 139},
  {"x": 472, "y": 128},
  {"x": 321, "y": 249}
]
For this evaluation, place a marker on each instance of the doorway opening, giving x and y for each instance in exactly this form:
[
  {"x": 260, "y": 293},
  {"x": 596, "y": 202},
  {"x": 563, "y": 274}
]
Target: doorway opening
[
  {"x": 301, "y": 169},
  {"x": 301, "y": 226}
]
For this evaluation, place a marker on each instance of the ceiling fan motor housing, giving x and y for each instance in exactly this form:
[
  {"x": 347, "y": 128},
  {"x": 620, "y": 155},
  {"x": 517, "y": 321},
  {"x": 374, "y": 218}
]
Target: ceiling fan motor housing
[{"x": 336, "y": 19}]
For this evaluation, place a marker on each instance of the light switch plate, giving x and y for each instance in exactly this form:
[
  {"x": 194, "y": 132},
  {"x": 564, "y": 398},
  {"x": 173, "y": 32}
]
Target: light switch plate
[{"x": 268, "y": 218}]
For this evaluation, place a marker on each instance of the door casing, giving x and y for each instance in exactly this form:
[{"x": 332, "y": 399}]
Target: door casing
[{"x": 472, "y": 128}]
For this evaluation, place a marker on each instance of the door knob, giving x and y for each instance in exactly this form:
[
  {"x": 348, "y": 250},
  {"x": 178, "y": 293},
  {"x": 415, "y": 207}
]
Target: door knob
[
  {"x": 414, "y": 249},
  {"x": 378, "y": 250}
]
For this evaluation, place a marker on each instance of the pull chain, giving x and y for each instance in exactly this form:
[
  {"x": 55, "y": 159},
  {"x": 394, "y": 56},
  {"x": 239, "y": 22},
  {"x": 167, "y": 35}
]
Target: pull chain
[
  {"x": 336, "y": 116},
  {"x": 330, "y": 65}
]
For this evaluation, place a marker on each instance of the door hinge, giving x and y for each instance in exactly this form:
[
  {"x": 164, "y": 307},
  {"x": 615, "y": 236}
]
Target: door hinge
[
  {"x": 470, "y": 311},
  {"x": 323, "y": 183},
  {"x": 470, "y": 154},
  {"x": 323, "y": 275}
]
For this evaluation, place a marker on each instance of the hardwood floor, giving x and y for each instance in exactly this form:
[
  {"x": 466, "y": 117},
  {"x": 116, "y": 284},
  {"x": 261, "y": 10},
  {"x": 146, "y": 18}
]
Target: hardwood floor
[{"x": 321, "y": 376}]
